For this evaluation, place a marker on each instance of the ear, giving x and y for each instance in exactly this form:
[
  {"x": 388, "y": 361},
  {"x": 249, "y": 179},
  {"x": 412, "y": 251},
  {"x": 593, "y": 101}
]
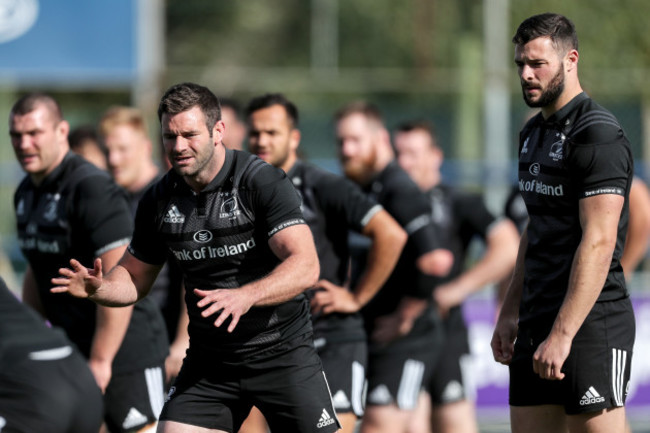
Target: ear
[
  {"x": 63, "y": 129},
  {"x": 571, "y": 59},
  {"x": 218, "y": 131},
  {"x": 294, "y": 138}
]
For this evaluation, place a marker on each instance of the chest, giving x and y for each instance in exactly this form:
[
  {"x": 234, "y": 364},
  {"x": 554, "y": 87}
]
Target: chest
[{"x": 43, "y": 224}]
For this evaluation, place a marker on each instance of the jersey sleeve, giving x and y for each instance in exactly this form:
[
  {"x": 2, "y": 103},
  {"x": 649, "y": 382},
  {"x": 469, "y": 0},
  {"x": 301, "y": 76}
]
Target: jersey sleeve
[
  {"x": 275, "y": 200},
  {"x": 147, "y": 245},
  {"x": 410, "y": 207},
  {"x": 601, "y": 161},
  {"x": 474, "y": 215},
  {"x": 344, "y": 201},
  {"x": 102, "y": 211}
]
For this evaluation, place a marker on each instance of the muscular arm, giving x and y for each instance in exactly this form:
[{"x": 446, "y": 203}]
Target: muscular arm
[
  {"x": 388, "y": 240},
  {"x": 638, "y": 230},
  {"x": 126, "y": 283},
  {"x": 505, "y": 330},
  {"x": 298, "y": 270},
  {"x": 110, "y": 327},
  {"x": 599, "y": 216},
  {"x": 496, "y": 263}
]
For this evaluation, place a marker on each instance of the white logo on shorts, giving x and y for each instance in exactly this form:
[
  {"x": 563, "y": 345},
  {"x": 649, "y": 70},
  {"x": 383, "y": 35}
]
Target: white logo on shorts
[
  {"x": 325, "y": 420},
  {"x": 591, "y": 397}
]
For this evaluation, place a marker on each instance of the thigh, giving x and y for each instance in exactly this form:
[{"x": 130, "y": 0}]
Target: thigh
[
  {"x": 598, "y": 367},
  {"x": 451, "y": 376},
  {"x": 538, "y": 419},
  {"x": 205, "y": 396},
  {"x": 291, "y": 390},
  {"x": 345, "y": 368},
  {"x": 134, "y": 400},
  {"x": 397, "y": 372}
]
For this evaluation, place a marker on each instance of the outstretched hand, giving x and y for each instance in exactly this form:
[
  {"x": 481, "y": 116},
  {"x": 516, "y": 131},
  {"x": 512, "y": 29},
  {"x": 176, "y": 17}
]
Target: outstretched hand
[{"x": 78, "y": 280}]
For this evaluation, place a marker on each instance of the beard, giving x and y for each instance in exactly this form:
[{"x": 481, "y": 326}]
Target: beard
[
  {"x": 359, "y": 170},
  {"x": 549, "y": 95}
]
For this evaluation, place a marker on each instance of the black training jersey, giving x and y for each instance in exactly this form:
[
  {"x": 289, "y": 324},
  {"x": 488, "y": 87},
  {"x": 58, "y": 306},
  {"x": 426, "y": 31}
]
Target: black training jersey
[
  {"x": 458, "y": 217},
  {"x": 79, "y": 212},
  {"x": 515, "y": 209},
  {"x": 219, "y": 238},
  {"x": 579, "y": 152},
  {"x": 332, "y": 205},
  {"x": 22, "y": 330},
  {"x": 166, "y": 289},
  {"x": 400, "y": 196}
]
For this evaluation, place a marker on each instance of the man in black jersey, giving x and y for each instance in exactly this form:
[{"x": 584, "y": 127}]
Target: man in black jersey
[
  {"x": 45, "y": 383},
  {"x": 401, "y": 321},
  {"x": 567, "y": 305},
  {"x": 332, "y": 205},
  {"x": 66, "y": 207},
  {"x": 233, "y": 223},
  {"x": 123, "y": 131},
  {"x": 460, "y": 217}
]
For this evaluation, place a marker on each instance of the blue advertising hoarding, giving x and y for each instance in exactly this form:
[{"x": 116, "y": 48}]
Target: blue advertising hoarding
[{"x": 74, "y": 42}]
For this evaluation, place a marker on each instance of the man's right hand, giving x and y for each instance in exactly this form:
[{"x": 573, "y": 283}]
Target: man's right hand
[
  {"x": 79, "y": 281},
  {"x": 503, "y": 339}
]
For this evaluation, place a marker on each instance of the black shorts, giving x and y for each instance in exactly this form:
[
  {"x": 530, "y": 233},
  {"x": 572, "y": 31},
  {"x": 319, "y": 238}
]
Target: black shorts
[
  {"x": 345, "y": 367},
  {"x": 397, "y": 372},
  {"x": 451, "y": 377},
  {"x": 134, "y": 400},
  {"x": 286, "y": 384},
  {"x": 49, "y": 391},
  {"x": 597, "y": 370}
]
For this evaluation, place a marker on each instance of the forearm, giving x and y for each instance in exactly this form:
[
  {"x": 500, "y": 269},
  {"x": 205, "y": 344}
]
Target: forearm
[
  {"x": 110, "y": 328},
  {"x": 388, "y": 242},
  {"x": 590, "y": 267},
  {"x": 291, "y": 277},
  {"x": 117, "y": 289},
  {"x": 512, "y": 296}
]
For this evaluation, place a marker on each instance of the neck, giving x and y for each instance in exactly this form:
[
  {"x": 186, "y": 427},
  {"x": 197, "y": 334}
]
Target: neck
[
  {"x": 201, "y": 179},
  {"x": 566, "y": 97}
]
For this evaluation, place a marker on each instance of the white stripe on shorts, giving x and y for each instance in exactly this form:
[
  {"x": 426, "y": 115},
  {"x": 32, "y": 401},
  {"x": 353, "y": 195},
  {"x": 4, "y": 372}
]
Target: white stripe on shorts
[
  {"x": 409, "y": 386},
  {"x": 358, "y": 390},
  {"x": 619, "y": 360},
  {"x": 155, "y": 388}
]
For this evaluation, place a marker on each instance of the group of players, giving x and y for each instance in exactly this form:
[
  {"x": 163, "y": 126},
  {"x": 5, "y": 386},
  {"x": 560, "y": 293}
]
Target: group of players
[{"x": 300, "y": 300}]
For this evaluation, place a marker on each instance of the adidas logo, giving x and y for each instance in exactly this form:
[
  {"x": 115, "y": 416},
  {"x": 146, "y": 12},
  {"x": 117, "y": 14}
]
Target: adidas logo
[
  {"x": 133, "y": 419},
  {"x": 340, "y": 400},
  {"x": 174, "y": 216},
  {"x": 325, "y": 420},
  {"x": 591, "y": 397}
]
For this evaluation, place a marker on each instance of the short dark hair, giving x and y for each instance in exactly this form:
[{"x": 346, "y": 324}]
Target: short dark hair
[
  {"x": 82, "y": 134},
  {"x": 31, "y": 101},
  {"x": 185, "y": 96},
  {"x": 270, "y": 99},
  {"x": 559, "y": 28},
  {"x": 417, "y": 125},
  {"x": 367, "y": 109}
]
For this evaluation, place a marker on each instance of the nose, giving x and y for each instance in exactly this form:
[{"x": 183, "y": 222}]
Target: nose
[{"x": 526, "y": 73}]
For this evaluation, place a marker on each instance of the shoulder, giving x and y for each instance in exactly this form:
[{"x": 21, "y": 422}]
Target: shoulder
[{"x": 593, "y": 124}]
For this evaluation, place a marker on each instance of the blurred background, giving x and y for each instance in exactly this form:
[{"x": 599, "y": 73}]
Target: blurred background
[{"x": 448, "y": 61}]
